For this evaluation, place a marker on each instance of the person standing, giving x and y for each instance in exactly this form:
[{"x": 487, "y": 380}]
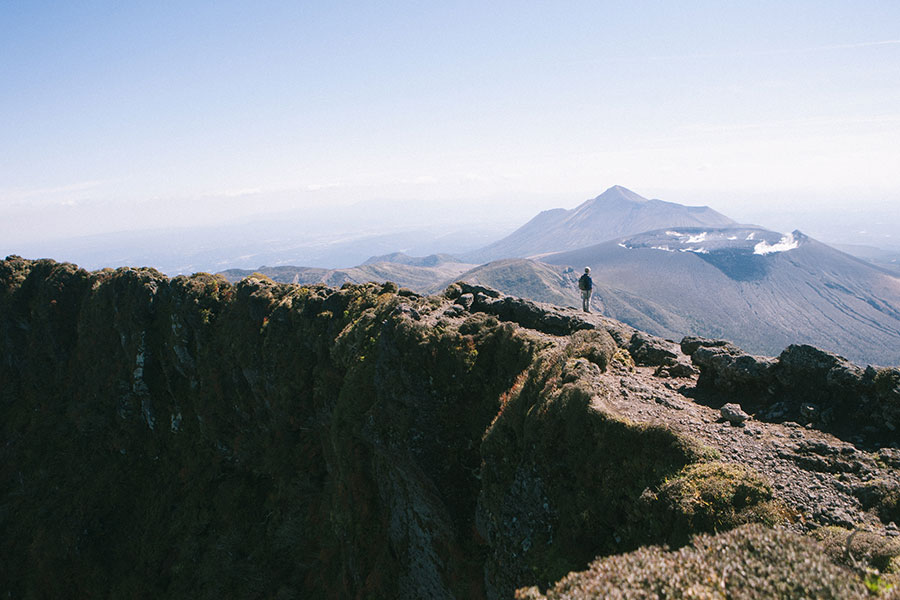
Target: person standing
[{"x": 586, "y": 285}]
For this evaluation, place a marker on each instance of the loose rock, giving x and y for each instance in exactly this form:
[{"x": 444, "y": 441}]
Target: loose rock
[{"x": 734, "y": 414}]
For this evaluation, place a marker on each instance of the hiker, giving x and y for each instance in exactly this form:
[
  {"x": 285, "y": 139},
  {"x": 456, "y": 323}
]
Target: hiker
[{"x": 586, "y": 285}]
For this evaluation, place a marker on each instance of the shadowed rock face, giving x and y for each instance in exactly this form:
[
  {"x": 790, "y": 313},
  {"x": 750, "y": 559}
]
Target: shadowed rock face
[
  {"x": 186, "y": 436},
  {"x": 804, "y": 384},
  {"x": 191, "y": 438}
]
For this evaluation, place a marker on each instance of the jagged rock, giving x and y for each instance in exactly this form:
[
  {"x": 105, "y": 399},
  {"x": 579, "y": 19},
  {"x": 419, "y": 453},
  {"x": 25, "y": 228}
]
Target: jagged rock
[
  {"x": 804, "y": 366},
  {"x": 454, "y": 310},
  {"x": 469, "y": 288},
  {"x": 619, "y": 331},
  {"x": 453, "y": 291},
  {"x": 726, "y": 368},
  {"x": 664, "y": 354},
  {"x": 691, "y": 344},
  {"x": 406, "y": 309},
  {"x": 483, "y": 301},
  {"x": 890, "y": 456},
  {"x": 775, "y": 412},
  {"x": 652, "y": 351},
  {"x": 842, "y": 395},
  {"x": 530, "y": 314},
  {"x": 533, "y": 315},
  {"x": 466, "y": 300},
  {"x": 734, "y": 414},
  {"x": 803, "y": 383},
  {"x": 679, "y": 369}
]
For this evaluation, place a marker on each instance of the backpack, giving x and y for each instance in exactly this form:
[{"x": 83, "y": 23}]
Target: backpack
[{"x": 584, "y": 282}]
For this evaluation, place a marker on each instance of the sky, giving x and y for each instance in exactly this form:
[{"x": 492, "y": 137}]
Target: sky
[{"x": 119, "y": 116}]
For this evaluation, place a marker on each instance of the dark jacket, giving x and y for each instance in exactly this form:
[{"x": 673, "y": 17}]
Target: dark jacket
[{"x": 585, "y": 282}]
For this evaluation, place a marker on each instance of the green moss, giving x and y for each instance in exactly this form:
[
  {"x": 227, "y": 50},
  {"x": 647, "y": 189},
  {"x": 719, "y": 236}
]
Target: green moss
[
  {"x": 596, "y": 345},
  {"x": 623, "y": 359},
  {"x": 712, "y": 497},
  {"x": 259, "y": 277}
]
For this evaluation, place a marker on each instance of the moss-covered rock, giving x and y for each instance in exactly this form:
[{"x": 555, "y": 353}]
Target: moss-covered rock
[
  {"x": 596, "y": 345},
  {"x": 710, "y": 497}
]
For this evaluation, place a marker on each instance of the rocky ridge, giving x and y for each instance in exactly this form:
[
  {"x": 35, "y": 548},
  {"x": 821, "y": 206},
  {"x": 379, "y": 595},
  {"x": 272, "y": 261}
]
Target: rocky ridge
[
  {"x": 795, "y": 444},
  {"x": 186, "y": 436}
]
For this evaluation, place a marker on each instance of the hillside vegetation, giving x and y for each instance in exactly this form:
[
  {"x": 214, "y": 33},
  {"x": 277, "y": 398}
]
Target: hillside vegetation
[{"x": 188, "y": 437}]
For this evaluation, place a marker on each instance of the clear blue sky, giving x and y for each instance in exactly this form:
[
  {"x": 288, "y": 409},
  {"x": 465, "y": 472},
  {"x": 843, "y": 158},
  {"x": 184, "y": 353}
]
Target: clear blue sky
[{"x": 119, "y": 115}]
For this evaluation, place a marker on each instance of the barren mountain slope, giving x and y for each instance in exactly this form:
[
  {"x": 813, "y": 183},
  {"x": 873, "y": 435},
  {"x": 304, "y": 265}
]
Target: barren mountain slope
[{"x": 758, "y": 288}]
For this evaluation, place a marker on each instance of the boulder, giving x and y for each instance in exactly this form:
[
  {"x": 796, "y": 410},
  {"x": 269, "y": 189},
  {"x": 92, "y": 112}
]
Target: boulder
[
  {"x": 691, "y": 344},
  {"x": 652, "y": 351},
  {"x": 727, "y": 368},
  {"x": 734, "y": 414},
  {"x": 466, "y": 300}
]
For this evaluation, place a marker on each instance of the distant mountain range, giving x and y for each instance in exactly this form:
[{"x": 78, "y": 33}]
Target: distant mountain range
[
  {"x": 671, "y": 270},
  {"x": 417, "y": 273},
  {"x": 888, "y": 259},
  {"x": 614, "y": 213}
]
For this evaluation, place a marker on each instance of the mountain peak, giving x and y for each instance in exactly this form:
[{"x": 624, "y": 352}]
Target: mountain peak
[
  {"x": 617, "y": 192},
  {"x": 615, "y": 213}
]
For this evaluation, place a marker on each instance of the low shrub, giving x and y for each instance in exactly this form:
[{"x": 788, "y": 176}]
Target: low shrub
[
  {"x": 752, "y": 562},
  {"x": 712, "y": 497}
]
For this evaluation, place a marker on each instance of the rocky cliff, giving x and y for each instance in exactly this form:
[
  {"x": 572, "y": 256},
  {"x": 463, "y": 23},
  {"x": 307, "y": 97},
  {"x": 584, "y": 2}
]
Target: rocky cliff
[{"x": 188, "y": 437}]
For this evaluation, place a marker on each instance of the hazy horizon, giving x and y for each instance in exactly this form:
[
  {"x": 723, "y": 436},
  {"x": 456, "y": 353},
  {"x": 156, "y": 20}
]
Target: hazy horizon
[
  {"x": 339, "y": 236},
  {"x": 126, "y": 118}
]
